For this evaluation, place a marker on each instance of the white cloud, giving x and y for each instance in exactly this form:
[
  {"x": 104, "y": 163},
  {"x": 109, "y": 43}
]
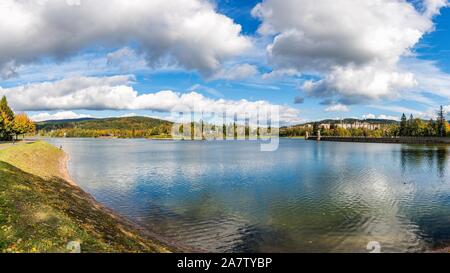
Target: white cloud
[
  {"x": 125, "y": 59},
  {"x": 8, "y": 70},
  {"x": 337, "y": 108},
  {"x": 433, "y": 7},
  {"x": 369, "y": 116},
  {"x": 429, "y": 77},
  {"x": 189, "y": 33},
  {"x": 372, "y": 116},
  {"x": 355, "y": 44},
  {"x": 388, "y": 117},
  {"x": 355, "y": 84},
  {"x": 426, "y": 113},
  {"x": 115, "y": 93},
  {"x": 279, "y": 73},
  {"x": 237, "y": 72},
  {"x": 58, "y": 116}
]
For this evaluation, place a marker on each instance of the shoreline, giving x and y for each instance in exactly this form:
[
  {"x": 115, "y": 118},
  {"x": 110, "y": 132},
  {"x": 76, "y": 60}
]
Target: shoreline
[
  {"x": 140, "y": 229},
  {"x": 384, "y": 140},
  {"x": 64, "y": 169}
]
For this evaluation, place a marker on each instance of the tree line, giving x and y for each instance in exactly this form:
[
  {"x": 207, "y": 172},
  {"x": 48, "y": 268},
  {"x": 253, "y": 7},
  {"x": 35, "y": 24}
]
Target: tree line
[
  {"x": 127, "y": 127},
  {"x": 12, "y": 126},
  {"x": 412, "y": 127},
  {"x": 416, "y": 127}
]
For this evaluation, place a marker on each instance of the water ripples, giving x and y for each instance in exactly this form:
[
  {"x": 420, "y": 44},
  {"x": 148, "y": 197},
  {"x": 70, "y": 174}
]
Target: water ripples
[{"x": 305, "y": 197}]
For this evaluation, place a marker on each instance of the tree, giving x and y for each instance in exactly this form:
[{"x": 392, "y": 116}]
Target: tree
[
  {"x": 403, "y": 126},
  {"x": 441, "y": 122},
  {"x": 315, "y": 127},
  {"x": 192, "y": 130},
  {"x": 7, "y": 120},
  {"x": 224, "y": 131},
  {"x": 203, "y": 129},
  {"x": 23, "y": 125}
]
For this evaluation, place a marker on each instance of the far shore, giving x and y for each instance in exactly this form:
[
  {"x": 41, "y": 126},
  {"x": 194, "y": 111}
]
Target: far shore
[
  {"x": 384, "y": 140},
  {"x": 380, "y": 140}
]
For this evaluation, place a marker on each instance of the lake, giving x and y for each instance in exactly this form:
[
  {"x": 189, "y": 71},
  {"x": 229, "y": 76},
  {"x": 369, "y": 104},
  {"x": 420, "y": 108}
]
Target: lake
[{"x": 228, "y": 196}]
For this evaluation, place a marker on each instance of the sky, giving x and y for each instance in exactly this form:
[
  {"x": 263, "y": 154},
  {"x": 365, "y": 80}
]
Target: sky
[{"x": 312, "y": 60}]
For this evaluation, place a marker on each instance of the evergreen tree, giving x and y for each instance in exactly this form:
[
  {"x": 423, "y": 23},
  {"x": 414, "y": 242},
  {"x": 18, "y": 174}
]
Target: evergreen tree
[
  {"x": 403, "y": 126},
  {"x": 441, "y": 122},
  {"x": 192, "y": 130},
  {"x": 7, "y": 120}
]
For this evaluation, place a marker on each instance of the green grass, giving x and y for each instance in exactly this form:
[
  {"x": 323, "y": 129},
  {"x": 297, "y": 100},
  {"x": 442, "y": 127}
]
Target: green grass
[{"x": 41, "y": 212}]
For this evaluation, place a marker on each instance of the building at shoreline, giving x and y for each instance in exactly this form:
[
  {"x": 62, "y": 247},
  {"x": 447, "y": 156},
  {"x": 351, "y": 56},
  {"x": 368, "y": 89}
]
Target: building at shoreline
[{"x": 353, "y": 124}]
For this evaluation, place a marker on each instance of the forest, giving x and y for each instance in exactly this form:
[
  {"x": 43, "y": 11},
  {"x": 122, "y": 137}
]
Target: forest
[{"x": 127, "y": 127}]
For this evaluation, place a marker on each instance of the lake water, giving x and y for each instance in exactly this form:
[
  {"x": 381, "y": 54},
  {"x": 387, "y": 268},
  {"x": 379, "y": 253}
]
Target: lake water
[{"x": 305, "y": 197}]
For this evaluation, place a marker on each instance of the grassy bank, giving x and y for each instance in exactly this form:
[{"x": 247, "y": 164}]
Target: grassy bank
[{"x": 42, "y": 212}]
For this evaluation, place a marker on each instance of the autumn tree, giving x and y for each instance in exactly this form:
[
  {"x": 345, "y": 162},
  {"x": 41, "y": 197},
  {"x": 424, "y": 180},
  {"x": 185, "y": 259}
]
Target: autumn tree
[{"x": 23, "y": 125}]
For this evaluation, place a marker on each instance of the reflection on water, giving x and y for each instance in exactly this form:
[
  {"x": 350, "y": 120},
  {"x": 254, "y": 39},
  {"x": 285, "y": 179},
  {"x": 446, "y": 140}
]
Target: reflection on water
[
  {"x": 305, "y": 197},
  {"x": 425, "y": 156}
]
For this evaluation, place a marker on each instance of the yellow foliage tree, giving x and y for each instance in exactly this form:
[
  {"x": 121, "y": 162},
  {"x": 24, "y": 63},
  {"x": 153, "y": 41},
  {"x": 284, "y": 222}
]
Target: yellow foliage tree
[{"x": 23, "y": 125}]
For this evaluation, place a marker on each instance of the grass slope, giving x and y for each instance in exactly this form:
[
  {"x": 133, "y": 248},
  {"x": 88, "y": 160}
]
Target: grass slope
[{"x": 41, "y": 212}]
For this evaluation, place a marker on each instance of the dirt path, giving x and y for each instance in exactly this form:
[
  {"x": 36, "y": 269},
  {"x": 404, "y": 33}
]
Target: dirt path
[
  {"x": 64, "y": 169},
  {"x": 6, "y": 144}
]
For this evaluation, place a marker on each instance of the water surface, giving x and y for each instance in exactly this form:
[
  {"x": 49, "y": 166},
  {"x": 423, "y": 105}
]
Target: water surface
[{"x": 305, "y": 197}]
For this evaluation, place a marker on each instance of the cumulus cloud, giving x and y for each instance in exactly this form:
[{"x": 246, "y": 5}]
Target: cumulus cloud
[
  {"x": 355, "y": 44},
  {"x": 189, "y": 33},
  {"x": 115, "y": 93},
  {"x": 237, "y": 72},
  {"x": 58, "y": 116},
  {"x": 355, "y": 84},
  {"x": 337, "y": 108},
  {"x": 386, "y": 117},
  {"x": 433, "y": 7}
]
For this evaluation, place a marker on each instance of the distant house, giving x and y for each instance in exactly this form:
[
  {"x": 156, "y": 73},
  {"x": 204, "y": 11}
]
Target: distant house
[
  {"x": 345, "y": 124},
  {"x": 325, "y": 126},
  {"x": 360, "y": 125}
]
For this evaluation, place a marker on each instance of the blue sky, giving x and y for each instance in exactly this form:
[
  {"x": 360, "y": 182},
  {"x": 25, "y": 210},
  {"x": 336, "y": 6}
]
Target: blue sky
[{"x": 380, "y": 67}]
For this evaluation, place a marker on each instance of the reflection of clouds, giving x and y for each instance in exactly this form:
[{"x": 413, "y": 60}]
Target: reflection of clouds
[
  {"x": 307, "y": 196},
  {"x": 383, "y": 219},
  {"x": 205, "y": 223}
]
